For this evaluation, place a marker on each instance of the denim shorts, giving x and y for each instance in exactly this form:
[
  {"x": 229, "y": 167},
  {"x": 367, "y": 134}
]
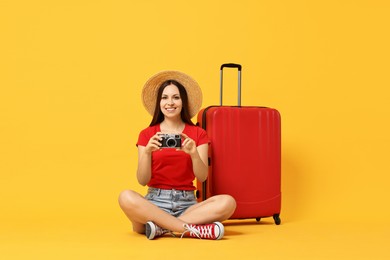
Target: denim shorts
[{"x": 175, "y": 202}]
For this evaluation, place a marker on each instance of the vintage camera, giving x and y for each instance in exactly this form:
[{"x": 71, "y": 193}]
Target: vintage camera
[{"x": 170, "y": 141}]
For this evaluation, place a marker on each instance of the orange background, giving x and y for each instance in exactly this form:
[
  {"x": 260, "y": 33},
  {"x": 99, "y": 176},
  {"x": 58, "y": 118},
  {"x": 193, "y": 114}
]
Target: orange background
[{"x": 71, "y": 74}]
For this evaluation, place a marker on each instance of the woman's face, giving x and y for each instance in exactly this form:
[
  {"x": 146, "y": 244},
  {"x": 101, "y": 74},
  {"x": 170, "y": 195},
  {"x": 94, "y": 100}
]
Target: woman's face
[{"x": 171, "y": 103}]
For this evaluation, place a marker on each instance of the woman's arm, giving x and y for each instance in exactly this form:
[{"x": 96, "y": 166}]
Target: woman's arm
[
  {"x": 199, "y": 162},
  {"x": 199, "y": 157},
  {"x": 144, "y": 170}
]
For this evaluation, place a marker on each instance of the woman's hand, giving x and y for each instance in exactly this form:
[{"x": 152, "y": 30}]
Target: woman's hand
[
  {"x": 188, "y": 145},
  {"x": 154, "y": 143}
]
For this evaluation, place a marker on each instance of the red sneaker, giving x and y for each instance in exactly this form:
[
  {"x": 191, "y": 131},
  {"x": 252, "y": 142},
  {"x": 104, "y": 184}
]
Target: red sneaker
[{"x": 213, "y": 231}]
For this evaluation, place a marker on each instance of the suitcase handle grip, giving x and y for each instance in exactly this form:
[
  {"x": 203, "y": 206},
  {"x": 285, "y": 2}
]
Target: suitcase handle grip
[{"x": 231, "y": 65}]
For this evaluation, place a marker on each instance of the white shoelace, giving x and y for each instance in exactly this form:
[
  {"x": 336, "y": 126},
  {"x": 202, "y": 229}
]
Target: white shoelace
[{"x": 200, "y": 231}]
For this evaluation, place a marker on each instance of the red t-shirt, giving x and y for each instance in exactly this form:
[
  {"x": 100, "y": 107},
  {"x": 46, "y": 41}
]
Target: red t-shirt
[{"x": 172, "y": 169}]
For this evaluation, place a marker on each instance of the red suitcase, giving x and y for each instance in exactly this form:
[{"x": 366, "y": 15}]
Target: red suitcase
[{"x": 244, "y": 156}]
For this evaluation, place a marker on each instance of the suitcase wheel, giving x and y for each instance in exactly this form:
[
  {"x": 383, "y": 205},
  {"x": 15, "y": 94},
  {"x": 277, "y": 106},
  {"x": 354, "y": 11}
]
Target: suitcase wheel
[{"x": 277, "y": 219}]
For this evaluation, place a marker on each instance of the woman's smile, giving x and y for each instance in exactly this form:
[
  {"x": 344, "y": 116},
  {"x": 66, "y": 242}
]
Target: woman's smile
[{"x": 170, "y": 109}]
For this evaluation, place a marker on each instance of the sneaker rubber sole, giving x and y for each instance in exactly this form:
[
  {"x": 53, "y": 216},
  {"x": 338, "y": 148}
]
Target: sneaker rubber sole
[
  {"x": 150, "y": 230},
  {"x": 219, "y": 230}
]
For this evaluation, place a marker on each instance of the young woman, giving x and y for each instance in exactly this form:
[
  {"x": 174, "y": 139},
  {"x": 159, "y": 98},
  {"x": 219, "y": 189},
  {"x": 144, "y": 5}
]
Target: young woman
[{"x": 170, "y": 205}]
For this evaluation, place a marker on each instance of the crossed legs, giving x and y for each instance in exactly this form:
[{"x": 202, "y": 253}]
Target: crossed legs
[{"x": 139, "y": 211}]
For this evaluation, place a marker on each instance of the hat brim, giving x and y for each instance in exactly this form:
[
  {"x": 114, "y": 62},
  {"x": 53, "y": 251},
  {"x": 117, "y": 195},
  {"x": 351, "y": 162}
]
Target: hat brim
[{"x": 150, "y": 89}]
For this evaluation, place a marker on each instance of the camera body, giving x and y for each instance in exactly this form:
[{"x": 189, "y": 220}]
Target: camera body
[{"x": 170, "y": 141}]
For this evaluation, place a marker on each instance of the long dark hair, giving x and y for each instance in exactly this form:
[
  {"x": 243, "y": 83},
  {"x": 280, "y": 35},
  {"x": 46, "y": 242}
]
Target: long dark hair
[{"x": 158, "y": 116}]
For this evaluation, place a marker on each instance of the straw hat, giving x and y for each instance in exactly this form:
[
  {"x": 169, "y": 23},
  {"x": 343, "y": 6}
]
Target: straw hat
[{"x": 149, "y": 92}]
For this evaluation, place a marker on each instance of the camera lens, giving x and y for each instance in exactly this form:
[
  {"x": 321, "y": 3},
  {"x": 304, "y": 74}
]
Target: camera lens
[{"x": 171, "y": 142}]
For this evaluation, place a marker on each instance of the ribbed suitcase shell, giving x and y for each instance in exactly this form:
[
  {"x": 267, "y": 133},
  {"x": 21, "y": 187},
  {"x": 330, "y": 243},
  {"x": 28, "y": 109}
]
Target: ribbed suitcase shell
[{"x": 245, "y": 158}]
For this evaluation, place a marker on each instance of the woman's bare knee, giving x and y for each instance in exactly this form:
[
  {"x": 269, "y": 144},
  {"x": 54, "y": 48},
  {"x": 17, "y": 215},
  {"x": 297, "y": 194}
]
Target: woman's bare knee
[
  {"x": 227, "y": 204},
  {"x": 128, "y": 199}
]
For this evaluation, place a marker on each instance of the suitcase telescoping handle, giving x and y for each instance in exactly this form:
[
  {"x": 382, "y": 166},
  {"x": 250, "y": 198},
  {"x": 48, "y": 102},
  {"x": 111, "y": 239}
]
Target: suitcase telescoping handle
[{"x": 231, "y": 65}]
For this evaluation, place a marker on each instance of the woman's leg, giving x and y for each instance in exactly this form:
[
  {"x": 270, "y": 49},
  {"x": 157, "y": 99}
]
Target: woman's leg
[
  {"x": 139, "y": 211},
  {"x": 216, "y": 208}
]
